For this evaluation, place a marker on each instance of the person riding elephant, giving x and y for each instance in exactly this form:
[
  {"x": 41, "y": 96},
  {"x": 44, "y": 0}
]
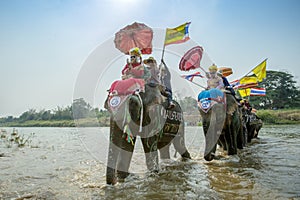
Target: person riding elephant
[
  {"x": 134, "y": 67},
  {"x": 136, "y": 111},
  {"x": 213, "y": 80},
  {"x": 154, "y": 71},
  {"x": 221, "y": 120},
  {"x": 166, "y": 87}
]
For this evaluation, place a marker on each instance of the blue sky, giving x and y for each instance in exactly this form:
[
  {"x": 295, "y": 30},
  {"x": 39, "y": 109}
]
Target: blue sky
[{"x": 44, "y": 43}]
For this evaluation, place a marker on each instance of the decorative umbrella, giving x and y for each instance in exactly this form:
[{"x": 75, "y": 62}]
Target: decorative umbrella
[
  {"x": 226, "y": 71},
  {"x": 134, "y": 35},
  {"x": 191, "y": 59}
]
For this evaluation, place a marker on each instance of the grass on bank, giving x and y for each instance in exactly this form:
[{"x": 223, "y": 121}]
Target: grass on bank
[
  {"x": 86, "y": 122},
  {"x": 286, "y": 116}
]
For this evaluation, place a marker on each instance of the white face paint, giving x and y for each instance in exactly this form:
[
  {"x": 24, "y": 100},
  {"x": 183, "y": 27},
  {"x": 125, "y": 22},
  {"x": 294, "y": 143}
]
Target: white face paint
[{"x": 213, "y": 74}]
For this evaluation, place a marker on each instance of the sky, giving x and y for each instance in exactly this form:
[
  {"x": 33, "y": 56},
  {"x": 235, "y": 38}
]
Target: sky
[{"x": 47, "y": 45}]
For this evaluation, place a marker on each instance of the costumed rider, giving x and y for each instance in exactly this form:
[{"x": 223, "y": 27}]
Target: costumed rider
[
  {"x": 134, "y": 67},
  {"x": 165, "y": 79},
  {"x": 245, "y": 103},
  {"x": 154, "y": 71},
  {"x": 226, "y": 84},
  {"x": 213, "y": 80}
]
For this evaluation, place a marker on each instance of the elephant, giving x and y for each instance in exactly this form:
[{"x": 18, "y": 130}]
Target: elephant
[
  {"x": 141, "y": 112},
  {"x": 253, "y": 124},
  {"x": 222, "y": 122}
]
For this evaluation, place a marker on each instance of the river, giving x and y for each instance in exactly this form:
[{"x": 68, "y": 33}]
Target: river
[{"x": 69, "y": 163}]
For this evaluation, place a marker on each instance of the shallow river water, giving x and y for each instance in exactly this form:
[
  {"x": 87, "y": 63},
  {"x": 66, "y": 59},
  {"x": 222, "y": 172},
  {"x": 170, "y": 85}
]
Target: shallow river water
[{"x": 69, "y": 163}]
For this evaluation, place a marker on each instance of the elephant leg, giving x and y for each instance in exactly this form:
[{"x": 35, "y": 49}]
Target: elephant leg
[
  {"x": 150, "y": 149},
  {"x": 113, "y": 152},
  {"x": 229, "y": 137},
  {"x": 250, "y": 133},
  {"x": 179, "y": 143},
  {"x": 164, "y": 150},
  {"x": 124, "y": 159},
  {"x": 240, "y": 137},
  {"x": 222, "y": 142}
]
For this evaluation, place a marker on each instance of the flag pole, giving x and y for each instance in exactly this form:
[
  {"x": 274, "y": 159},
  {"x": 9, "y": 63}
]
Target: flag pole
[
  {"x": 196, "y": 84},
  {"x": 163, "y": 53}
]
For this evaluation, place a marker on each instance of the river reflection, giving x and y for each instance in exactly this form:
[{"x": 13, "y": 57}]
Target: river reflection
[{"x": 68, "y": 163}]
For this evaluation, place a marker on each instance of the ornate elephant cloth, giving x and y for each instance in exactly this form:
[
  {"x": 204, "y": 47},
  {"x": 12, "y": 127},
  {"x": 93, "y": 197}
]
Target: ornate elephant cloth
[
  {"x": 127, "y": 86},
  {"x": 208, "y": 98},
  {"x": 119, "y": 92}
]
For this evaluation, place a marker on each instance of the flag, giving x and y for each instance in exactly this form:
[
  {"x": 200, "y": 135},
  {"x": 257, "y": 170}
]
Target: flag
[
  {"x": 192, "y": 76},
  {"x": 260, "y": 70},
  {"x": 248, "y": 80},
  {"x": 245, "y": 92},
  {"x": 234, "y": 83},
  {"x": 245, "y": 86},
  {"x": 258, "y": 92},
  {"x": 177, "y": 35}
]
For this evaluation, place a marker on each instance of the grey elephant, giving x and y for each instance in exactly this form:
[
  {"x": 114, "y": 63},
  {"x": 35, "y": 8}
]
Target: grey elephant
[
  {"x": 222, "y": 122},
  {"x": 141, "y": 112},
  {"x": 253, "y": 124}
]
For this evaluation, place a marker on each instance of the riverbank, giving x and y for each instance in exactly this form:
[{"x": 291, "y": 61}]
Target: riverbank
[
  {"x": 285, "y": 116},
  {"x": 87, "y": 122}
]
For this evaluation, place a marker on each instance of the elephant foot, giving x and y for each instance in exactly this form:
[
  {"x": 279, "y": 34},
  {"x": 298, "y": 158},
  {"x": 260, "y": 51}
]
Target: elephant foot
[
  {"x": 209, "y": 157},
  {"x": 240, "y": 146},
  {"x": 122, "y": 175},
  {"x": 232, "y": 151},
  {"x": 186, "y": 156},
  {"x": 110, "y": 176}
]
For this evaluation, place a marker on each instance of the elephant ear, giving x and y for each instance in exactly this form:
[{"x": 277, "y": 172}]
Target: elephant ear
[{"x": 232, "y": 105}]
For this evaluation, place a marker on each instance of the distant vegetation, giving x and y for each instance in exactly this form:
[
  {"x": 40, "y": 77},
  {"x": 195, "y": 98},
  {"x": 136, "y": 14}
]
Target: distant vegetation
[
  {"x": 80, "y": 110},
  {"x": 281, "y": 92},
  {"x": 283, "y": 116},
  {"x": 280, "y": 105}
]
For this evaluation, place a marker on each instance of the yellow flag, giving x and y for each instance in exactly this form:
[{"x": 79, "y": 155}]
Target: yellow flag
[
  {"x": 260, "y": 70},
  {"x": 248, "y": 80},
  {"x": 177, "y": 35},
  {"x": 245, "y": 92}
]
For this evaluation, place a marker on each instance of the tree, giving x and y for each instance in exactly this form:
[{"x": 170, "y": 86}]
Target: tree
[
  {"x": 188, "y": 104},
  {"x": 81, "y": 109},
  {"x": 281, "y": 91}
]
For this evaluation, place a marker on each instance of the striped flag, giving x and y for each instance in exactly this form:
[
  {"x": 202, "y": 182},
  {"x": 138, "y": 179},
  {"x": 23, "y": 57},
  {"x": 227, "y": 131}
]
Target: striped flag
[
  {"x": 258, "y": 92},
  {"x": 192, "y": 76},
  {"x": 177, "y": 35},
  {"x": 235, "y": 83}
]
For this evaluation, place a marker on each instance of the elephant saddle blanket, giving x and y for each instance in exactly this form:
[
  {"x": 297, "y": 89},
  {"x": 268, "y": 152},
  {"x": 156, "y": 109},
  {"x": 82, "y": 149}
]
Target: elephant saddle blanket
[
  {"x": 121, "y": 89},
  {"x": 127, "y": 86},
  {"x": 208, "y": 98}
]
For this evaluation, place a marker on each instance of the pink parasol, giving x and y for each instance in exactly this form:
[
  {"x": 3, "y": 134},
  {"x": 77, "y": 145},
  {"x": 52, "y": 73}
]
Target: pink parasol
[
  {"x": 134, "y": 35},
  {"x": 191, "y": 59}
]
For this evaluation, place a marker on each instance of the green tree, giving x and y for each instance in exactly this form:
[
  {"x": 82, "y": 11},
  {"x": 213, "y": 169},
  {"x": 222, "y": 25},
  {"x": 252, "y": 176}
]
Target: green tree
[
  {"x": 81, "y": 109},
  {"x": 281, "y": 91},
  {"x": 188, "y": 104}
]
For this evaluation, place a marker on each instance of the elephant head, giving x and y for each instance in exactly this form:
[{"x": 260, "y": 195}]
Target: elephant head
[
  {"x": 221, "y": 120},
  {"x": 253, "y": 124}
]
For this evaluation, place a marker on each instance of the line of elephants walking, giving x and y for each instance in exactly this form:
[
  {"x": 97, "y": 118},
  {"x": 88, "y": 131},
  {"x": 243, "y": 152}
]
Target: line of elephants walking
[{"x": 141, "y": 110}]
